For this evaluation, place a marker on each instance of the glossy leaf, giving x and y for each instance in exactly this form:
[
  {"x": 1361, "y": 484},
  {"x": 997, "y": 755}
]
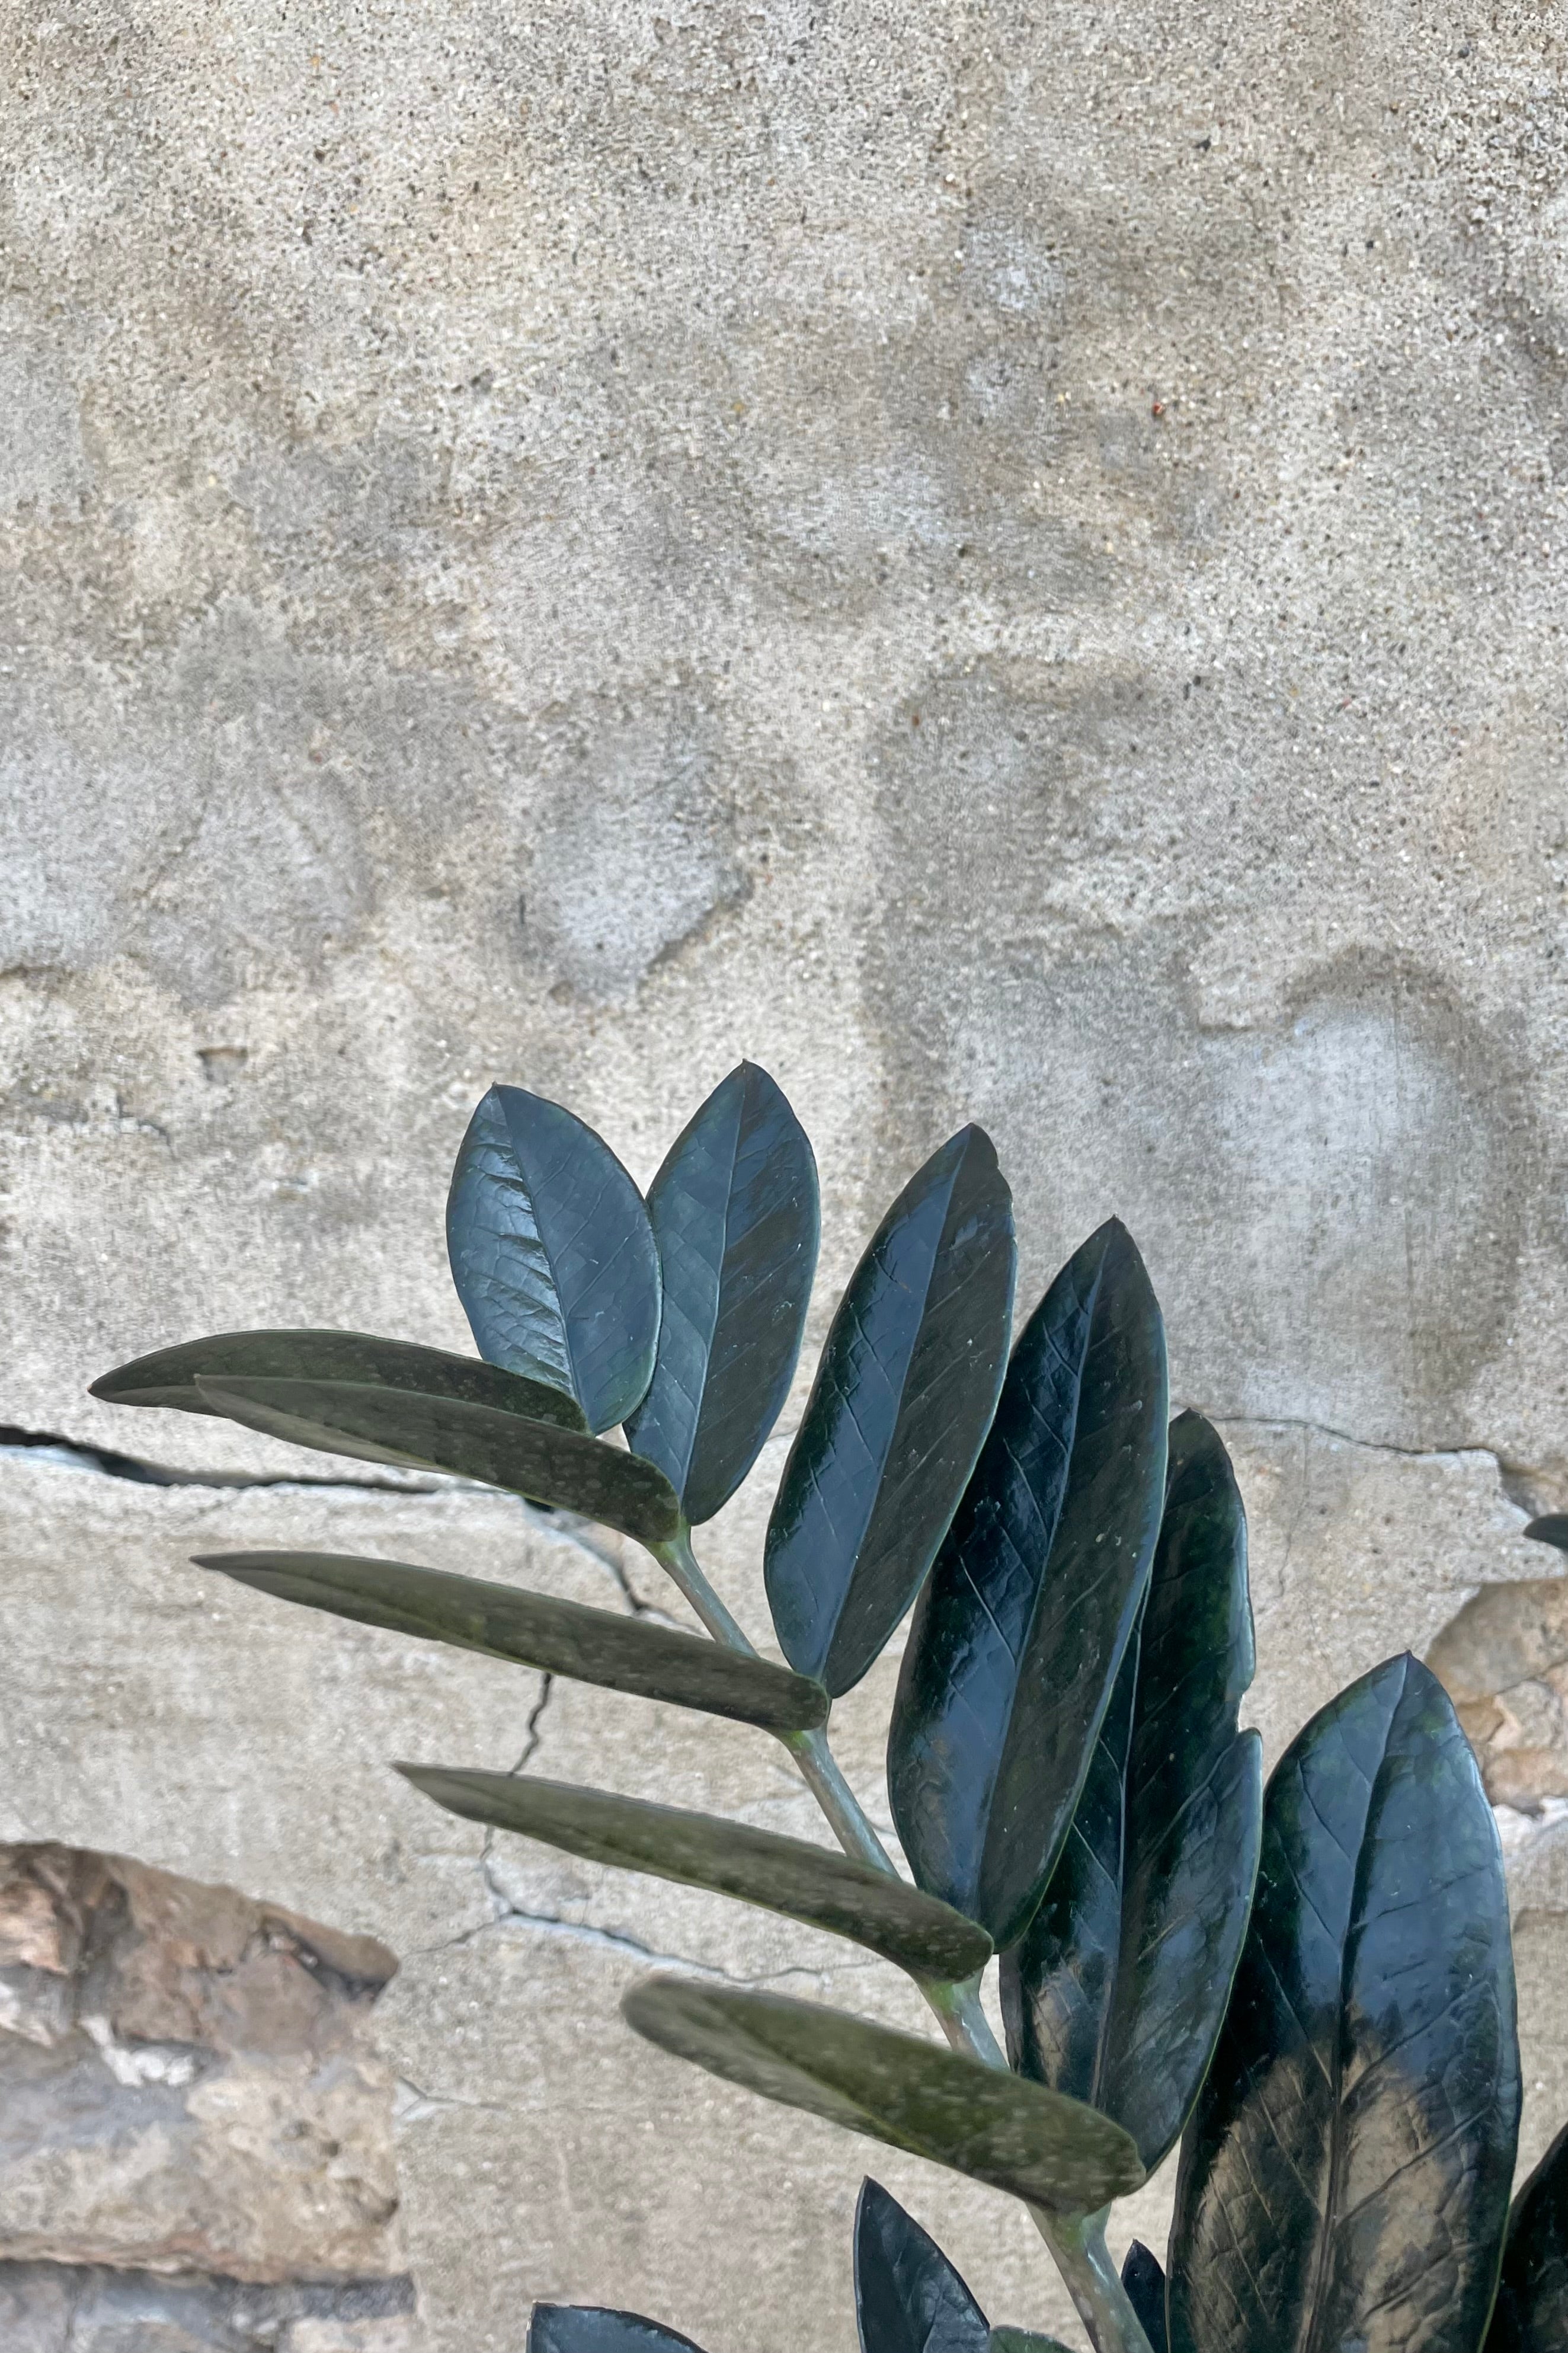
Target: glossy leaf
[
  {"x": 1018, "y": 1636},
  {"x": 1115, "y": 1993},
  {"x": 1531, "y": 2315},
  {"x": 563, "y": 1466},
  {"x": 1552, "y": 1528},
  {"x": 560, "y": 1638},
  {"x": 552, "y": 1254},
  {"x": 734, "y": 1214},
  {"x": 912, "y": 2094},
  {"x": 169, "y": 1376},
  {"x": 1345, "y": 2176},
  {"x": 783, "y": 1874},
  {"x": 594, "y": 2328},
  {"x": 1022, "y": 2340},
  {"x": 903, "y": 1395},
  {"x": 908, "y": 2297},
  {"x": 1144, "y": 2278}
]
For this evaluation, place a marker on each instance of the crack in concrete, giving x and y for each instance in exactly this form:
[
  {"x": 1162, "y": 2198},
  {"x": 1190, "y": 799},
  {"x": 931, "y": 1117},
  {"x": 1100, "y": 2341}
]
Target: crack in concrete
[
  {"x": 75, "y": 1454},
  {"x": 617, "y": 1940},
  {"x": 1370, "y": 1445}
]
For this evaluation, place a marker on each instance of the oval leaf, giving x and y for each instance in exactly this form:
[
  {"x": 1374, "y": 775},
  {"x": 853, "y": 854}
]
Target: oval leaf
[
  {"x": 1143, "y": 2279},
  {"x": 1116, "y": 1990},
  {"x": 1022, "y": 2340},
  {"x": 734, "y": 1214},
  {"x": 1018, "y": 1636},
  {"x": 552, "y": 1254},
  {"x": 169, "y": 1376},
  {"x": 908, "y": 2296},
  {"x": 1345, "y": 2178},
  {"x": 914, "y": 2096},
  {"x": 783, "y": 1874},
  {"x": 532, "y": 1629},
  {"x": 1531, "y": 2315},
  {"x": 563, "y": 1466},
  {"x": 902, "y": 1398},
  {"x": 594, "y": 2328},
  {"x": 1552, "y": 1528}
]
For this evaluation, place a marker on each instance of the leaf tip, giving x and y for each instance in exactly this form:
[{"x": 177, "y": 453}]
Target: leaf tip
[{"x": 1550, "y": 1528}]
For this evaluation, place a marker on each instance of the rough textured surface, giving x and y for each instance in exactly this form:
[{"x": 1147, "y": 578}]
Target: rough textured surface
[
  {"x": 192, "y": 2097},
  {"x": 72, "y": 2308},
  {"x": 1003, "y": 561}
]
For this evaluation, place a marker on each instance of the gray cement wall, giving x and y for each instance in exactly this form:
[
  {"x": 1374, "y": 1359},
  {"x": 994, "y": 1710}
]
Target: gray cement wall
[{"x": 1003, "y": 561}]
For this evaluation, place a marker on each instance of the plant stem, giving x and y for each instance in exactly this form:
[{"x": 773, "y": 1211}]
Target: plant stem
[
  {"x": 679, "y": 1561},
  {"x": 1078, "y": 2244},
  {"x": 1077, "y": 2241}
]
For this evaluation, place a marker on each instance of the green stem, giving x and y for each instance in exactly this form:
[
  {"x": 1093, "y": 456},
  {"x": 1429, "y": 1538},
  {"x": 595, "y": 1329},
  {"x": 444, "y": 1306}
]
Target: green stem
[
  {"x": 1078, "y": 2244},
  {"x": 1076, "y": 2241},
  {"x": 680, "y": 1564}
]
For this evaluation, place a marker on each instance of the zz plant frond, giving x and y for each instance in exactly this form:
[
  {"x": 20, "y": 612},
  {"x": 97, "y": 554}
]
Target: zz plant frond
[{"x": 1310, "y": 1986}]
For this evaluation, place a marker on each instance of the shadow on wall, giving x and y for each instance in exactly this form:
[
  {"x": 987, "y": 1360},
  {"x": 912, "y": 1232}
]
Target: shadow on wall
[{"x": 195, "y": 2125}]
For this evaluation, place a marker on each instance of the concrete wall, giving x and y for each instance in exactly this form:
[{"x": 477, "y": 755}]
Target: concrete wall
[{"x": 1005, "y": 561}]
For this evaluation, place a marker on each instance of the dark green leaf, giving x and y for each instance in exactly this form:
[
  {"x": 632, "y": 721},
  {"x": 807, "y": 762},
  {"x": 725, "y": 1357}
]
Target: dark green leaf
[
  {"x": 903, "y": 1395},
  {"x": 1553, "y": 1530},
  {"x": 1531, "y": 2315},
  {"x": 908, "y": 2296},
  {"x": 1145, "y": 2280},
  {"x": 1344, "y": 2180},
  {"x": 913, "y": 2094},
  {"x": 1018, "y": 1636},
  {"x": 594, "y": 2328},
  {"x": 563, "y": 1466},
  {"x": 734, "y": 1214},
  {"x": 1116, "y": 1990},
  {"x": 1022, "y": 2340},
  {"x": 562, "y": 1638},
  {"x": 783, "y": 1874},
  {"x": 552, "y": 1254},
  {"x": 169, "y": 1376}
]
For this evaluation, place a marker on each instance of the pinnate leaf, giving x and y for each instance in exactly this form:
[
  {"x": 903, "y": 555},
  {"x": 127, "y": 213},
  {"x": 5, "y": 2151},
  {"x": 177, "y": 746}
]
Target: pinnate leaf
[
  {"x": 594, "y": 2328},
  {"x": 912, "y": 2094},
  {"x": 902, "y": 1397},
  {"x": 908, "y": 2297},
  {"x": 552, "y": 1254},
  {"x": 562, "y": 1467},
  {"x": 783, "y": 1874},
  {"x": 734, "y": 1214},
  {"x": 1116, "y": 1990},
  {"x": 1531, "y": 2315},
  {"x": 533, "y": 1630},
  {"x": 1345, "y": 2176},
  {"x": 1019, "y": 1633},
  {"x": 170, "y": 1376}
]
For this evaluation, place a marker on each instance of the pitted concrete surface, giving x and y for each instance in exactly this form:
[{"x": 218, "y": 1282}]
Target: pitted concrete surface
[{"x": 1004, "y": 561}]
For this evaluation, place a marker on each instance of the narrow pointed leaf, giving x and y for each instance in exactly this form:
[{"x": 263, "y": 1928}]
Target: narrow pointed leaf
[
  {"x": 1144, "y": 2278},
  {"x": 532, "y": 1629},
  {"x": 1552, "y": 1528},
  {"x": 594, "y": 2328},
  {"x": 783, "y": 1874},
  {"x": 1116, "y": 1990},
  {"x": 908, "y": 2297},
  {"x": 1344, "y": 2180},
  {"x": 1018, "y": 1636},
  {"x": 912, "y": 2094},
  {"x": 1531, "y": 2315},
  {"x": 563, "y": 1466},
  {"x": 905, "y": 1390},
  {"x": 734, "y": 1214},
  {"x": 1022, "y": 2340},
  {"x": 169, "y": 1376},
  {"x": 552, "y": 1254}
]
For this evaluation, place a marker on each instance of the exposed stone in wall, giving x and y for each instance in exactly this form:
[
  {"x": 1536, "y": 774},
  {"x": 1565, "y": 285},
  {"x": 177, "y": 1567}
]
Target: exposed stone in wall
[
  {"x": 1504, "y": 1659},
  {"x": 79, "y": 2308},
  {"x": 195, "y": 2122}
]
